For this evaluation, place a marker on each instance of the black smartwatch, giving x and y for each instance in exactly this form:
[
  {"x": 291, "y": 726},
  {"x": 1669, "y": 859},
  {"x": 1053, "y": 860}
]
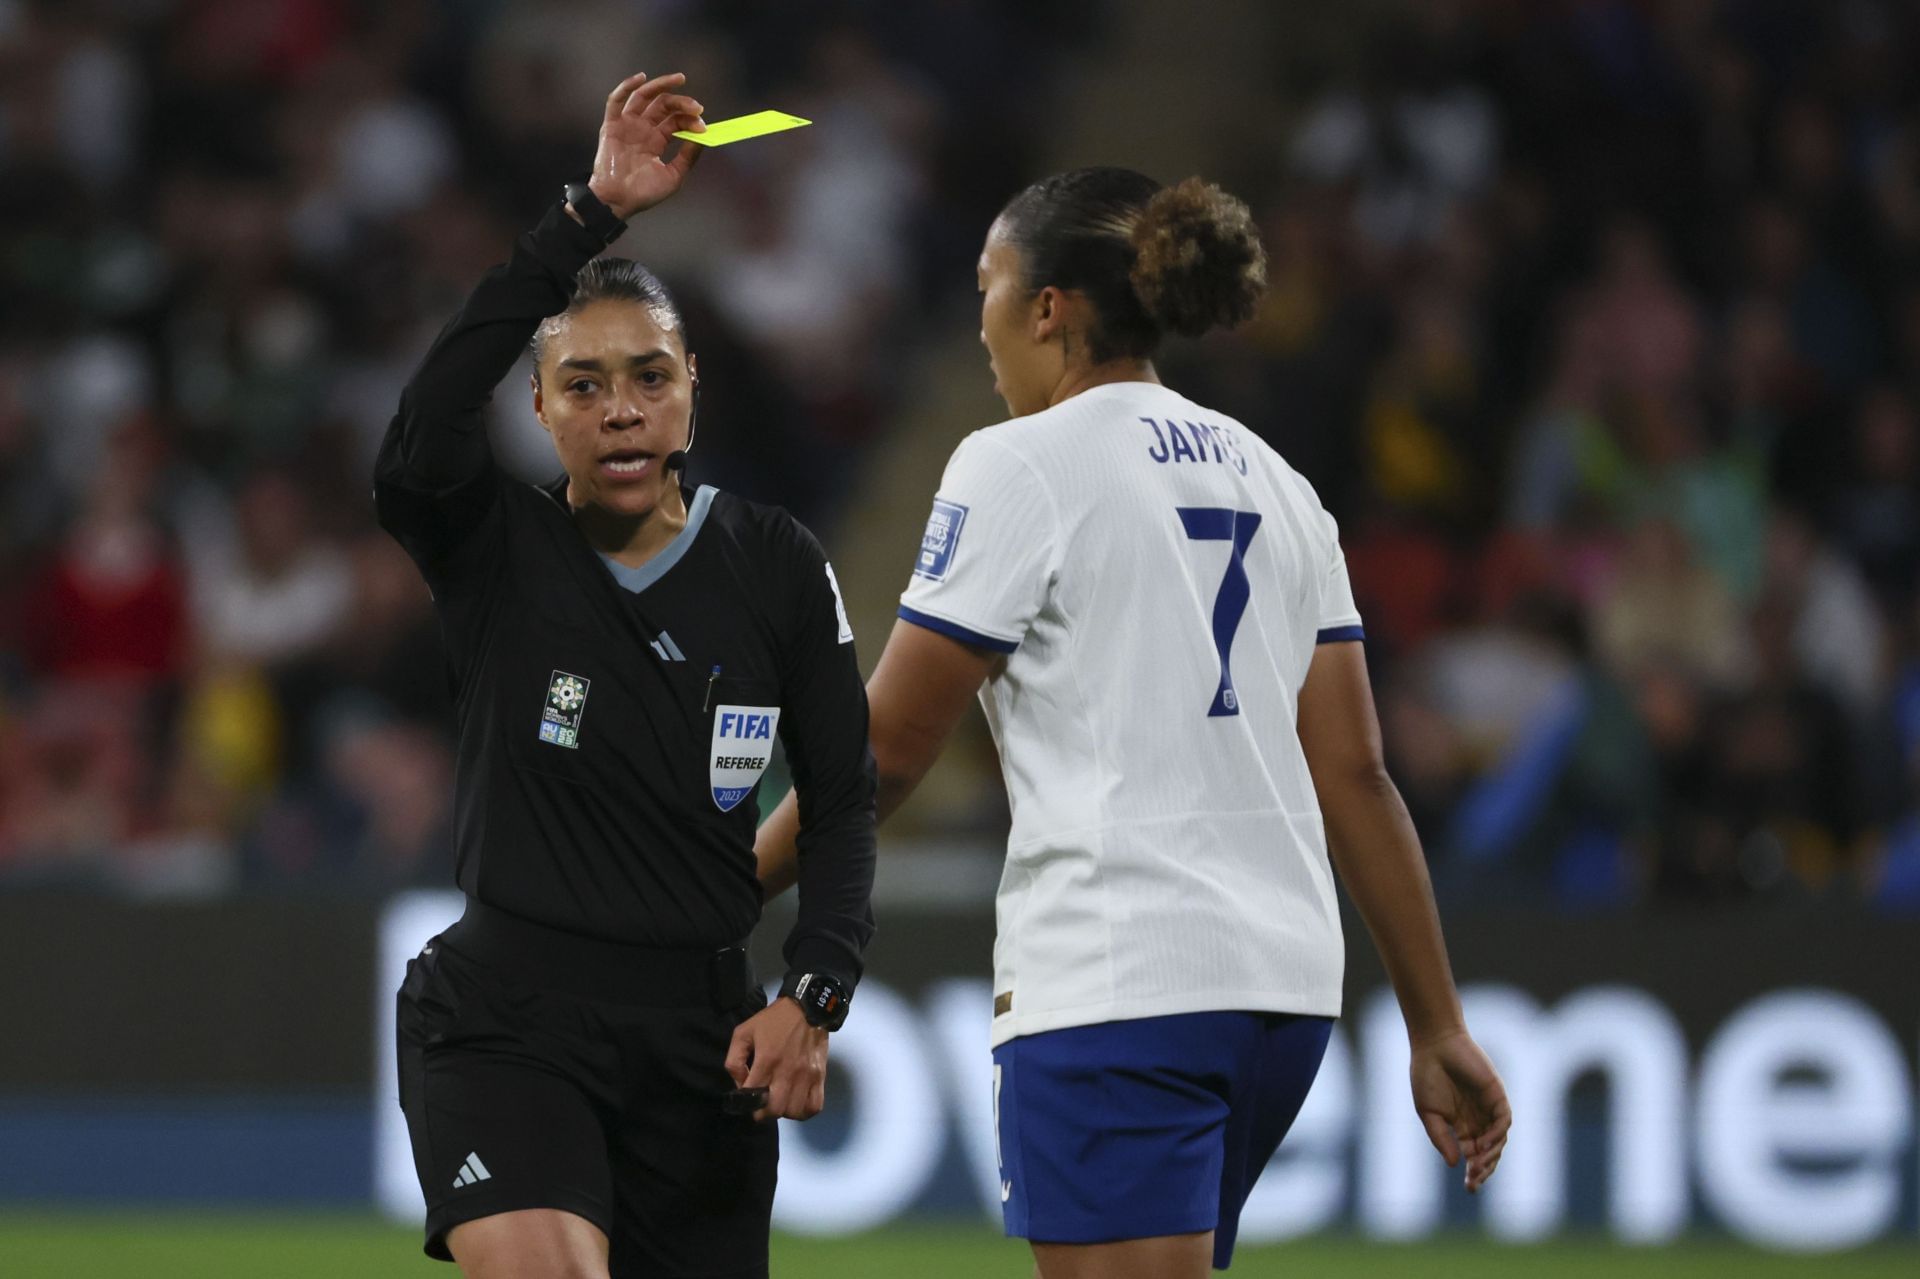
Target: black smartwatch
[
  {"x": 594, "y": 214},
  {"x": 822, "y": 998}
]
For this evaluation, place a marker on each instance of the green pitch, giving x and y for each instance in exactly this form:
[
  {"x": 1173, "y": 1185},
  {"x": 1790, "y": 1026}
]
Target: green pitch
[{"x": 203, "y": 1247}]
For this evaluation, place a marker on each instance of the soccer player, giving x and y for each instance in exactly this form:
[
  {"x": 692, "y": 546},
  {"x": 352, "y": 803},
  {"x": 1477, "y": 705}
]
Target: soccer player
[
  {"x": 575, "y": 1052},
  {"x": 1154, "y": 610}
]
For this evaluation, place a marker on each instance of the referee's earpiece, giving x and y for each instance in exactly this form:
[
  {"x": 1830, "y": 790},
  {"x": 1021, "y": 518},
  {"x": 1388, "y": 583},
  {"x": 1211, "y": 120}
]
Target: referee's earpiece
[{"x": 677, "y": 460}]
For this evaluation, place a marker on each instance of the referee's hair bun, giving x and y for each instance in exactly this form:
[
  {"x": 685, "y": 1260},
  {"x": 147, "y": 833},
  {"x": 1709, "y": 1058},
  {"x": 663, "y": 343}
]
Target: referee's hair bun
[{"x": 1198, "y": 259}]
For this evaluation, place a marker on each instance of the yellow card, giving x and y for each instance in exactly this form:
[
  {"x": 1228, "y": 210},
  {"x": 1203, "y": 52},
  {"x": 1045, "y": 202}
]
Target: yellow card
[{"x": 720, "y": 132}]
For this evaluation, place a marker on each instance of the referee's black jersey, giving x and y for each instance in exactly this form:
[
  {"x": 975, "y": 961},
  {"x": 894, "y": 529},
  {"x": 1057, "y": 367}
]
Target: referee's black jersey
[{"x": 610, "y": 736}]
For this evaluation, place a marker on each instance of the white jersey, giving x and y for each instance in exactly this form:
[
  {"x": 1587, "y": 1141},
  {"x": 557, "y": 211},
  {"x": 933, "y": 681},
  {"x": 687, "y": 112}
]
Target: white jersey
[{"x": 1158, "y": 578}]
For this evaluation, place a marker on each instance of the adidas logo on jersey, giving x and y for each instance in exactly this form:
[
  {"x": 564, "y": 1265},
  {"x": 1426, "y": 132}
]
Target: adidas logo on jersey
[{"x": 471, "y": 1172}]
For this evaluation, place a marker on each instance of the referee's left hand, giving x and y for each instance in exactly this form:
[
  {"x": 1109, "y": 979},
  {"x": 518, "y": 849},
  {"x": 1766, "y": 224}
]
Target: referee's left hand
[
  {"x": 775, "y": 1049},
  {"x": 630, "y": 168}
]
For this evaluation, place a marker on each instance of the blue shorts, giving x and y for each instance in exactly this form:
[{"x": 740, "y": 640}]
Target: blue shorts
[{"x": 1158, "y": 1126}]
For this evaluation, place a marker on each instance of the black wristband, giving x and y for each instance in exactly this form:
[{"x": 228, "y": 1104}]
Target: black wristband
[{"x": 594, "y": 214}]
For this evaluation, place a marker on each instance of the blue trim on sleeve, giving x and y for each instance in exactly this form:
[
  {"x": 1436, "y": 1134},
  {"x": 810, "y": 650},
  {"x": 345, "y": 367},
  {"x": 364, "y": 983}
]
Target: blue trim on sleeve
[
  {"x": 953, "y": 630},
  {"x": 1341, "y": 634}
]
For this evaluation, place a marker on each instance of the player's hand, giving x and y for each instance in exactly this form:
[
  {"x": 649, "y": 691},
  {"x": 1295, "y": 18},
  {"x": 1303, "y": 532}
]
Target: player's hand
[
  {"x": 775, "y": 1049},
  {"x": 1462, "y": 1103},
  {"x": 629, "y": 171}
]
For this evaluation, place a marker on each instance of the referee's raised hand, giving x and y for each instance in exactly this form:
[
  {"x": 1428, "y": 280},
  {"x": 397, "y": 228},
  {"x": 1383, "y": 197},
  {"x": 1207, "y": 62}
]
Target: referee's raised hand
[
  {"x": 777, "y": 1050},
  {"x": 630, "y": 169}
]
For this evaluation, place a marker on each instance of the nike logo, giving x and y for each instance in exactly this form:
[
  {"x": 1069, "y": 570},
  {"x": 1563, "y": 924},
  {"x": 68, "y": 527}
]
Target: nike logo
[{"x": 1006, "y": 1191}]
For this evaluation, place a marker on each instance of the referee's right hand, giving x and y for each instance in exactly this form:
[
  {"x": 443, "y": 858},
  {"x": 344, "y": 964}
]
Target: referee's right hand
[{"x": 777, "y": 1050}]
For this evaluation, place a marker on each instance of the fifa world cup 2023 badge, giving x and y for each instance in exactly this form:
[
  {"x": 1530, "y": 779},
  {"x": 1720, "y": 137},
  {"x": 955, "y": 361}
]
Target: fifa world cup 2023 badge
[
  {"x": 566, "y": 703},
  {"x": 742, "y": 744}
]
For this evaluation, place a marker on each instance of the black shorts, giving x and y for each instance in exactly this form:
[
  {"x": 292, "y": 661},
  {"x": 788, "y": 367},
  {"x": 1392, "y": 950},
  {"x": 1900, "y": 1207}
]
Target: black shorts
[{"x": 543, "y": 1070}]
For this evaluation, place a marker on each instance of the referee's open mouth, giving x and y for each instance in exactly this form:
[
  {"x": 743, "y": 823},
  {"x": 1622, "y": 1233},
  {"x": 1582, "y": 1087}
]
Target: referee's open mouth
[{"x": 628, "y": 464}]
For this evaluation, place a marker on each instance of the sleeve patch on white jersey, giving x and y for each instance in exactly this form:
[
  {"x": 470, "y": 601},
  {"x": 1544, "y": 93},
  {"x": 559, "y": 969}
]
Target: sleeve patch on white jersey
[{"x": 938, "y": 542}]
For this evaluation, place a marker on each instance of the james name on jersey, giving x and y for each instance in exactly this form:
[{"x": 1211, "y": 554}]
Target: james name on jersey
[{"x": 1171, "y": 444}]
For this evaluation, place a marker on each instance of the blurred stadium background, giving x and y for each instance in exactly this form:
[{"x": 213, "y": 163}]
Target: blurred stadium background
[{"x": 1596, "y": 323}]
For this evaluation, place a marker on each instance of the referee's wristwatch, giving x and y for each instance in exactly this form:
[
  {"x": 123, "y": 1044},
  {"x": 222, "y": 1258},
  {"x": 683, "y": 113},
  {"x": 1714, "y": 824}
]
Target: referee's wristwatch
[
  {"x": 594, "y": 214},
  {"x": 823, "y": 998}
]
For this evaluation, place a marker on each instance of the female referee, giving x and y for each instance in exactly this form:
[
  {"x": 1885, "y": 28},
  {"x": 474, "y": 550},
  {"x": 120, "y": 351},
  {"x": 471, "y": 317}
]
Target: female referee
[
  {"x": 1154, "y": 609},
  {"x": 583, "y": 1054}
]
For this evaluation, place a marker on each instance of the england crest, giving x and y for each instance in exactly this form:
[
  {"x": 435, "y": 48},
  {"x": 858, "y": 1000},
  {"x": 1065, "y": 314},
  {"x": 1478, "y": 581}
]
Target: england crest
[{"x": 742, "y": 744}]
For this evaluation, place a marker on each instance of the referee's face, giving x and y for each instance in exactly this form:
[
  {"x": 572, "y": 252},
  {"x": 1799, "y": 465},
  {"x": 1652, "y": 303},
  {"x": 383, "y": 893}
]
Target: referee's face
[{"x": 615, "y": 390}]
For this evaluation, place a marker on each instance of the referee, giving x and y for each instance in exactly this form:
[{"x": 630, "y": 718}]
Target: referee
[{"x": 587, "y": 1067}]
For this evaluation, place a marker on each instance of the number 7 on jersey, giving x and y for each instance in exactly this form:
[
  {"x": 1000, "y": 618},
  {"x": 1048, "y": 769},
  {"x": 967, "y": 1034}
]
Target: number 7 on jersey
[{"x": 1220, "y": 524}]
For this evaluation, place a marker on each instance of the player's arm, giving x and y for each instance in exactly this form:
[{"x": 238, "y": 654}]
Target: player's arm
[
  {"x": 434, "y": 479},
  {"x": 1461, "y": 1100},
  {"x": 917, "y": 696},
  {"x": 823, "y": 724},
  {"x": 824, "y": 728}
]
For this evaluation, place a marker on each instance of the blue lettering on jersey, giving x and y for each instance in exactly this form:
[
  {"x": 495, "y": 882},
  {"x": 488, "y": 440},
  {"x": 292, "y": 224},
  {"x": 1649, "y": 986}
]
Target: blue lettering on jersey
[
  {"x": 1159, "y": 450},
  {"x": 1182, "y": 450},
  {"x": 1171, "y": 444},
  {"x": 1205, "y": 434},
  {"x": 1201, "y": 437},
  {"x": 745, "y": 727},
  {"x": 1234, "y": 455},
  {"x": 938, "y": 542}
]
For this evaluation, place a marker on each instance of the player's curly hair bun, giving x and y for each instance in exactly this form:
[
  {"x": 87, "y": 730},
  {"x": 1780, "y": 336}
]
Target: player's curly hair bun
[
  {"x": 1198, "y": 259},
  {"x": 1151, "y": 259}
]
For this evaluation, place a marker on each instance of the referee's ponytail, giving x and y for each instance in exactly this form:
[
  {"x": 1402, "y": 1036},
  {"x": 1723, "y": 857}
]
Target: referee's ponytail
[{"x": 1153, "y": 260}]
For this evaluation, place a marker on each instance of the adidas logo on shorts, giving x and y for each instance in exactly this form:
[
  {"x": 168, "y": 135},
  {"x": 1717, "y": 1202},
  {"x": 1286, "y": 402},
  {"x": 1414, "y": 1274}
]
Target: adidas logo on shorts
[{"x": 470, "y": 1172}]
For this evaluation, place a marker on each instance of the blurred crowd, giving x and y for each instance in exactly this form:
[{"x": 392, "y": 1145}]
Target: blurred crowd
[
  {"x": 1596, "y": 322},
  {"x": 228, "y": 229}
]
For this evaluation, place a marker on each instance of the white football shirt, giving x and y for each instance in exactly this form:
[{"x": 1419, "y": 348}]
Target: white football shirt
[{"x": 1158, "y": 578}]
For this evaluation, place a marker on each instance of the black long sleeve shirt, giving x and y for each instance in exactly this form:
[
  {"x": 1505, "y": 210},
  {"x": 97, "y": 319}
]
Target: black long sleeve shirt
[{"x": 611, "y": 738}]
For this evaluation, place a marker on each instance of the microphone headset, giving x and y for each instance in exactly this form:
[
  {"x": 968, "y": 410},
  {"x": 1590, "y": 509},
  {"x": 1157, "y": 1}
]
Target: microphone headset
[{"x": 677, "y": 460}]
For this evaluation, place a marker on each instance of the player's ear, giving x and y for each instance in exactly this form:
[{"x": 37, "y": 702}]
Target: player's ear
[
  {"x": 1049, "y": 313},
  {"x": 540, "y": 404}
]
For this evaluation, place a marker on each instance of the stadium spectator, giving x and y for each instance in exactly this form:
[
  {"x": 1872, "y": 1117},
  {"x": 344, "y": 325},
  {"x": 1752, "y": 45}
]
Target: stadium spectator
[
  {"x": 274, "y": 594},
  {"x": 1678, "y": 363},
  {"x": 109, "y": 605}
]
